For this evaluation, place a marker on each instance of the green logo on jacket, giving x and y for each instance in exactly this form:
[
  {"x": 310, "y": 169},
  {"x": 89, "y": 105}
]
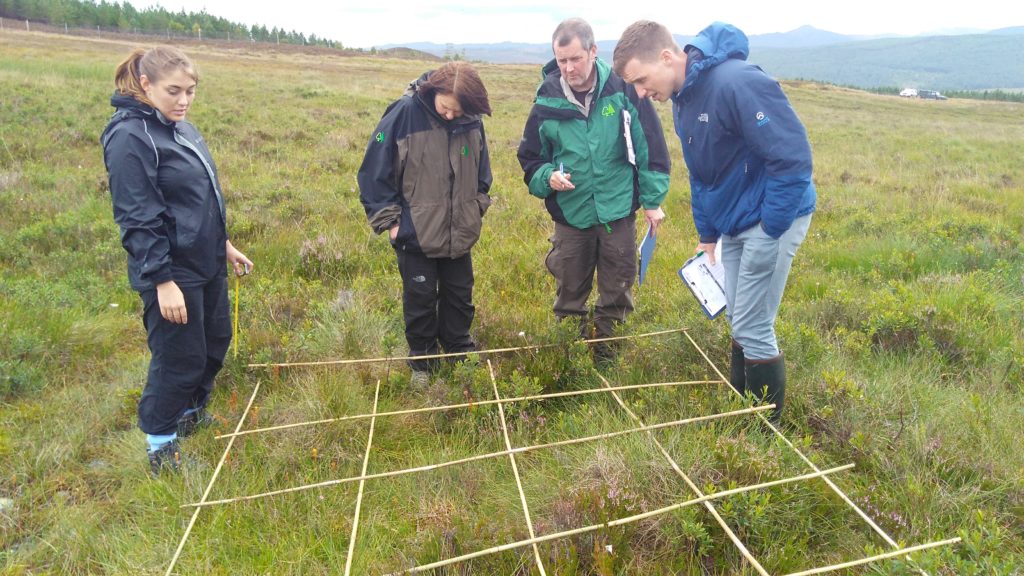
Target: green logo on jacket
[
  {"x": 608, "y": 110},
  {"x": 465, "y": 150},
  {"x": 379, "y": 137}
]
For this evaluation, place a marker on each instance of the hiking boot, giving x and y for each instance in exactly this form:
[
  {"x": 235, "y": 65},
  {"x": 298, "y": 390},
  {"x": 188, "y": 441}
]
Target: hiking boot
[
  {"x": 190, "y": 423},
  {"x": 604, "y": 355},
  {"x": 167, "y": 456},
  {"x": 419, "y": 380}
]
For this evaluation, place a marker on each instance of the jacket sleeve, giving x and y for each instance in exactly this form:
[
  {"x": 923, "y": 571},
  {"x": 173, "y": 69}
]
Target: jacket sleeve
[
  {"x": 706, "y": 231},
  {"x": 379, "y": 185},
  {"x": 774, "y": 133},
  {"x": 139, "y": 206},
  {"x": 652, "y": 159},
  {"x": 484, "y": 178},
  {"x": 535, "y": 157}
]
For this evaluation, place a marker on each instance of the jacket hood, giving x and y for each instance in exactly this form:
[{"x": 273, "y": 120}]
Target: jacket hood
[
  {"x": 414, "y": 86},
  {"x": 718, "y": 42}
]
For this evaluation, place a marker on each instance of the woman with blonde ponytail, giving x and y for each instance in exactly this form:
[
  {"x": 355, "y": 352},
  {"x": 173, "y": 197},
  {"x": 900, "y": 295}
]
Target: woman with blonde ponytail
[{"x": 168, "y": 204}]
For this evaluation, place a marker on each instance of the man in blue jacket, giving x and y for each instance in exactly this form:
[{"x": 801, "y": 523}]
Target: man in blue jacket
[{"x": 750, "y": 177}]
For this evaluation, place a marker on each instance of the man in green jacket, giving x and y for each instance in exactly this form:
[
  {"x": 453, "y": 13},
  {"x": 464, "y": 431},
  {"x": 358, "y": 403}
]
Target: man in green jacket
[{"x": 594, "y": 152}]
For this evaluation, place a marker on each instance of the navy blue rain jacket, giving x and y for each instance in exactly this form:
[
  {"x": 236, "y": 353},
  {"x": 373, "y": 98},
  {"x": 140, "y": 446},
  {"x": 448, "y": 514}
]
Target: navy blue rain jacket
[
  {"x": 746, "y": 150},
  {"x": 166, "y": 197}
]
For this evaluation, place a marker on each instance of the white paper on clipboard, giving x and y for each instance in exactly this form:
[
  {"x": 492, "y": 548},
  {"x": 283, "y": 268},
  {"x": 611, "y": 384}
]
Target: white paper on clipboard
[{"x": 706, "y": 282}]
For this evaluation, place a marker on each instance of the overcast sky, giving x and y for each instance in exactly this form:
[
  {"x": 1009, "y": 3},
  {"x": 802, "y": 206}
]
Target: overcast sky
[{"x": 378, "y": 22}]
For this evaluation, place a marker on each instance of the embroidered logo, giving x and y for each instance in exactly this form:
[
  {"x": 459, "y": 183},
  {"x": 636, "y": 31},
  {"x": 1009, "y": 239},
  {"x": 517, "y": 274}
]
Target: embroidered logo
[
  {"x": 608, "y": 110},
  {"x": 465, "y": 150},
  {"x": 762, "y": 119},
  {"x": 379, "y": 137},
  {"x": 703, "y": 117}
]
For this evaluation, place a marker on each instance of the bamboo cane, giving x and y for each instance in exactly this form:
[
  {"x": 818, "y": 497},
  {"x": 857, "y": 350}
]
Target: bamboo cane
[
  {"x": 515, "y": 469},
  {"x": 807, "y": 460},
  {"x": 696, "y": 490},
  {"x": 619, "y": 521},
  {"x": 458, "y": 354},
  {"x": 842, "y": 495},
  {"x": 359, "y": 497},
  {"x": 887, "y": 555},
  {"x": 209, "y": 487},
  {"x": 479, "y": 457},
  {"x": 462, "y": 405}
]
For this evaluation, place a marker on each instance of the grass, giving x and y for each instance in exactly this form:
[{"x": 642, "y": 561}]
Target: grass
[{"x": 902, "y": 326}]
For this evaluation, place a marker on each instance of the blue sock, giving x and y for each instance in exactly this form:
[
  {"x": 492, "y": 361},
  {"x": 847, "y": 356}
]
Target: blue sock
[{"x": 158, "y": 441}]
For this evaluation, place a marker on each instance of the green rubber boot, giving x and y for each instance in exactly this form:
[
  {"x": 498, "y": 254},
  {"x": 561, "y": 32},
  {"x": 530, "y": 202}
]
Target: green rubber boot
[
  {"x": 737, "y": 374},
  {"x": 766, "y": 380}
]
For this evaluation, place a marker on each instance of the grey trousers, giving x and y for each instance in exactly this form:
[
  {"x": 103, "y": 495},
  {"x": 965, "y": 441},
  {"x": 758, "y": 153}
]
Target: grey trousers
[
  {"x": 572, "y": 260},
  {"x": 756, "y": 269}
]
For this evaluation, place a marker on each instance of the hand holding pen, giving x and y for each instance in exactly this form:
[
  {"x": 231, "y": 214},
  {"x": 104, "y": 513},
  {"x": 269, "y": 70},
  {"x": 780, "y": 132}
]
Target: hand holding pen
[{"x": 559, "y": 180}]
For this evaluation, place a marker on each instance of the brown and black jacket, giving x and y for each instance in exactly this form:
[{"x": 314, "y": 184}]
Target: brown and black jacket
[{"x": 428, "y": 175}]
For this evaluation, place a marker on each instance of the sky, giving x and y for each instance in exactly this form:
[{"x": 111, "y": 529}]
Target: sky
[{"x": 380, "y": 22}]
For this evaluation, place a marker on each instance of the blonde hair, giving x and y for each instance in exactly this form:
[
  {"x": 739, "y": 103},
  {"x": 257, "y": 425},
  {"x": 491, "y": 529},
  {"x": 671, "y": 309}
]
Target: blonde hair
[{"x": 154, "y": 63}]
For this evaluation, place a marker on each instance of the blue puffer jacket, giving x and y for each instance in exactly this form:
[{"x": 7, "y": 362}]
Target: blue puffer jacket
[{"x": 746, "y": 150}]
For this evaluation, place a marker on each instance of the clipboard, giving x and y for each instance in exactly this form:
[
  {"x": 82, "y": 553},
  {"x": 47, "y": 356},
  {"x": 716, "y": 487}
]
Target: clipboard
[
  {"x": 706, "y": 282},
  {"x": 645, "y": 251}
]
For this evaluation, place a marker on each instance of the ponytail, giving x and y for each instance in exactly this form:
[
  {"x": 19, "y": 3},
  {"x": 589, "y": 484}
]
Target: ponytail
[
  {"x": 127, "y": 78},
  {"x": 154, "y": 63}
]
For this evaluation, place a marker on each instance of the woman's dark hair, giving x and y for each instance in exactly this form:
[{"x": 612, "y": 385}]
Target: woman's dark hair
[
  {"x": 155, "y": 63},
  {"x": 460, "y": 80}
]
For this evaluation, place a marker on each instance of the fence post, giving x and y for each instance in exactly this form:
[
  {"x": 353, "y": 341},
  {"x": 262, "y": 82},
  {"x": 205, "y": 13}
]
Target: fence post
[
  {"x": 26, "y": 26},
  {"x": 1, "y": 23},
  {"x": 65, "y": 27}
]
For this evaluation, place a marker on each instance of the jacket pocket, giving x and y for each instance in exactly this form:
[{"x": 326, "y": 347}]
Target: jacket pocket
[{"x": 466, "y": 225}]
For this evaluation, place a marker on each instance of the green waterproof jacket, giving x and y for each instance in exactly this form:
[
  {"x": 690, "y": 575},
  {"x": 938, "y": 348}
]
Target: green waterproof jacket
[{"x": 611, "y": 182}]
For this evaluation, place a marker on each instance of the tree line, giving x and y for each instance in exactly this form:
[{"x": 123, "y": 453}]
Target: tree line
[{"x": 123, "y": 17}]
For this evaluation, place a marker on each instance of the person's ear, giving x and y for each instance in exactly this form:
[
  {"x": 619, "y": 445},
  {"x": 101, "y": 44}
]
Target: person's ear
[
  {"x": 665, "y": 57},
  {"x": 144, "y": 82}
]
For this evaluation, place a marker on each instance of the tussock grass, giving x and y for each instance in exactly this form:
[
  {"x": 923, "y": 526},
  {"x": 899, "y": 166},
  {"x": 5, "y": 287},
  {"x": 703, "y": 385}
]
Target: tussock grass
[{"x": 902, "y": 327}]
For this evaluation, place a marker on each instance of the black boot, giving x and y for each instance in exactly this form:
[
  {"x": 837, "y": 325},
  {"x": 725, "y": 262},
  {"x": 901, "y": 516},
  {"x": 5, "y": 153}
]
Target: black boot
[
  {"x": 167, "y": 456},
  {"x": 737, "y": 375},
  {"x": 766, "y": 380}
]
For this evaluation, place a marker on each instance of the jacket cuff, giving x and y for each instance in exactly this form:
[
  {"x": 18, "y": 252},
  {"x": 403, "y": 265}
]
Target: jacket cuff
[
  {"x": 386, "y": 218},
  {"x": 160, "y": 276}
]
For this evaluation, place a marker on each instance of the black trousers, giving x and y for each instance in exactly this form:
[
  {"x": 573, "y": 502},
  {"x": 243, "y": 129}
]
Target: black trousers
[
  {"x": 437, "y": 300},
  {"x": 185, "y": 357}
]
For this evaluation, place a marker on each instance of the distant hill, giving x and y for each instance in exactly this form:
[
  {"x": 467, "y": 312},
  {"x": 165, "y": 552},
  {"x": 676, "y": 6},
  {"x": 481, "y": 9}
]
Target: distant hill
[
  {"x": 973, "y": 62},
  {"x": 802, "y": 37},
  {"x": 408, "y": 53},
  {"x": 953, "y": 62}
]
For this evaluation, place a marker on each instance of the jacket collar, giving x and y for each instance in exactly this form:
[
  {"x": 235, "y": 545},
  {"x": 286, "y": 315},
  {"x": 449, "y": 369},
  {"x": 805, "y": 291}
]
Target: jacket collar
[{"x": 132, "y": 107}]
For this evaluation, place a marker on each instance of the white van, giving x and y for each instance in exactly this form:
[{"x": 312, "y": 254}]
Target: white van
[{"x": 909, "y": 92}]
